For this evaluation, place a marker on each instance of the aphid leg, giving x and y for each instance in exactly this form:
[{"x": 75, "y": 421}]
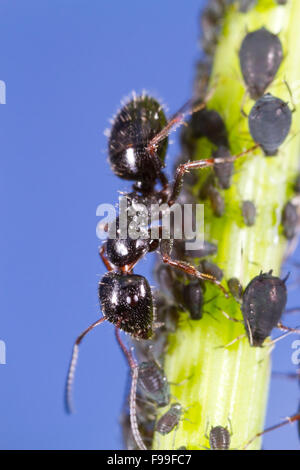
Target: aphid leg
[
  {"x": 287, "y": 328},
  {"x": 132, "y": 400},
  {"x": 230, "y": 426},
  {"x": 238, "y": 338},
  {"x": 72, "y": 367},
  {"x": 288, "y": 419},
  {"x": 174, "y": 436},
  {"x": 198, "y": 165},
  {"x": 243, "y": 104},
  {"x": 292, "y": 310},
  {"x": 228, "y": 317},
  {"x": 281, "y": 337},
  {"x": 186, "y": 267},
  {"x": 291, "y": 95},
  {"x": 104, "y": 259}
]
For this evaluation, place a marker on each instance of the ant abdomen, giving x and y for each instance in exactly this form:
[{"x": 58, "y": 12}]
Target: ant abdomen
[
  {"x": 126, "y": 301},
  {"x": 134, "y": 126}
]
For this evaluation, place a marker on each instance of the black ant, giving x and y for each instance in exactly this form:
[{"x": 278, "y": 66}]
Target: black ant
[{"x": 137, "y": 147}]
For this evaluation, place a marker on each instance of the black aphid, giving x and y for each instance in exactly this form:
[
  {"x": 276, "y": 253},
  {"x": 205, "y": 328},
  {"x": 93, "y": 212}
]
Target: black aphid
[
  {"x": 168, "y": 421},
  {"x": 208, "y": 123},
  {"x": 219, "y": 438},
  {"x": 249, "y": 213},
  {"x": 297, "y": 185},
  {"x": 153, "y": 383},
  {"x": 264, "y": 301},
  {"x": 193, "y": 299},
  {"x": 236, "y": 288},
  {"x": 217, "y": 201},
  {"x": 223, "y": 171},
  {"x": 289, "y": 220},
  {"x": 212, "y": 269},
  {"x": 270, "y": 121},
  {"x": 260, "y": 57}
]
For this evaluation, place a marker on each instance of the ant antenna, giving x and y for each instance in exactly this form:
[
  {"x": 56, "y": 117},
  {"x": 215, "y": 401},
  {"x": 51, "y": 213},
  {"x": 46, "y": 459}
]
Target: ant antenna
[
  {"x": 132, "y": 400},
  {"x": 73, "y": 363}
]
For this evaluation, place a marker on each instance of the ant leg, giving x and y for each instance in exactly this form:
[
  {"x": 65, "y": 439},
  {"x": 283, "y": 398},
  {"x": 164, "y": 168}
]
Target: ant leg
[
  {"x": 72, "y": 367},
  {"x": 165, "y": 248},
  {"x": 104, "y": 259},
  {"x": 132, "y": 400},
  {"x": 289, "y": 419},
  {"x": 198, "y": 165},
  {"x": 177, "y": 120}
]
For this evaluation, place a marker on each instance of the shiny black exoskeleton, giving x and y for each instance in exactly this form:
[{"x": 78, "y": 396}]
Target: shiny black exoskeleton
[
  {"x": 260, "y": 57},
  {"x": 263, "y": 304},
  {"x": 141, "y": 119},
  {"x": 126, "y": 302},
  {"x": 270, "y": 121},
  {"x": 136, "y": 148},
  {"x": 219, "y": 438}
]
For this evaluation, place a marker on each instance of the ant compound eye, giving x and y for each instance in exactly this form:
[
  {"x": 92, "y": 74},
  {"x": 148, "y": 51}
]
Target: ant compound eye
[{"x": 126, "y": 301}]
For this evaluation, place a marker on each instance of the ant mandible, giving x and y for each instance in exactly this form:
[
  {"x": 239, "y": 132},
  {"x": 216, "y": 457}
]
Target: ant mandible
[{"x": 137, "y": 147}]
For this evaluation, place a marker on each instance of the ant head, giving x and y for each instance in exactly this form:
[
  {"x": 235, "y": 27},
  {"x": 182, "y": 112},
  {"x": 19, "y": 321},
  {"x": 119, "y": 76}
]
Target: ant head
[
  {"x": 126, "y": 301},
  {"x": 134, "y": 126},
  {"x": 125, "y": 251}
]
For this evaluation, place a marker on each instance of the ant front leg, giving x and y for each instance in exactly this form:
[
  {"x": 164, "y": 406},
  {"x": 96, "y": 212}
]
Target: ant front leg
[
  {"x": 198, "y": 165},
  {"x": 166, "y": 248}
]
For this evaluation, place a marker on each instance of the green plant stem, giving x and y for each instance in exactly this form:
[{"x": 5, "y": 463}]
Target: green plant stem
[{"x": 216, "y": 383}]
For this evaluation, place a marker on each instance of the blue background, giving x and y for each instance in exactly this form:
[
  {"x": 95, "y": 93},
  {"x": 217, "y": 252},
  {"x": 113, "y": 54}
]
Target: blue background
[{"x": 67, "y": 64}]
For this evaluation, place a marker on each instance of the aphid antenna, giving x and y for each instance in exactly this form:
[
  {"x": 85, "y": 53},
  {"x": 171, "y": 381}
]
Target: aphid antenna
[{"x": 287, "y": 375}]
